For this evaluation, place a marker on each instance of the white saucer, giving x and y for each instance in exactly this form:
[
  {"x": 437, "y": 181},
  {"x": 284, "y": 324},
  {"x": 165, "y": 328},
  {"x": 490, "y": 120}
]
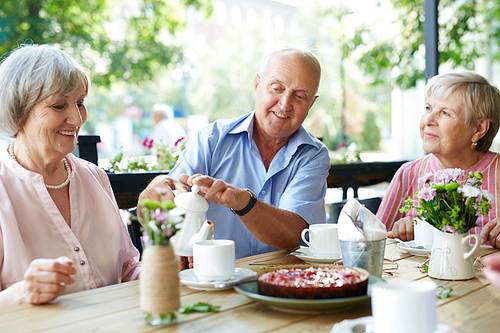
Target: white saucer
[
  {"x": 407, "y": 247},
  {"x": 311, "y": 259},
  {"x": 347, "y": 326},
  {"x": 188, "y": 278}
]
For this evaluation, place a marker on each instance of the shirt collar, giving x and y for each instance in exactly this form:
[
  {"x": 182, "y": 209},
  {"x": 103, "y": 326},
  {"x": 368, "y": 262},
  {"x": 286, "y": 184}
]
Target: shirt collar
[{"x": 301, "y": 136}]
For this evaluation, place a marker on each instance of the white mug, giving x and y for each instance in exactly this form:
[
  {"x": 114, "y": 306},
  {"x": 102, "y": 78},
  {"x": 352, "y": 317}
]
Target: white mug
[
  {"x": 323, "y": 239},
  {"x": 423, "y": 234},
  {"x": 213, "y": 262},
  {"x": 408, "y": 306}
]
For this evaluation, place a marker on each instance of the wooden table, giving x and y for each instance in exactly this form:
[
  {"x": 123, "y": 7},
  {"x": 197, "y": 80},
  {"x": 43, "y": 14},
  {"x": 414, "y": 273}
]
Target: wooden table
[{"x": 474, "y": 306}]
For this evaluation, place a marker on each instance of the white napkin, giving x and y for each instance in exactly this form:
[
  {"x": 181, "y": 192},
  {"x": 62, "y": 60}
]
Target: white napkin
[{"x": 357, "y": 223}]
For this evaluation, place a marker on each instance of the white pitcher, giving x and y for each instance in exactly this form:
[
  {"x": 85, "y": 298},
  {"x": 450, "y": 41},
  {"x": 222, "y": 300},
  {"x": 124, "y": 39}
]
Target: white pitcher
[
  {"x": 451, "y": 257},
  {"x": 195, "y": 208}
]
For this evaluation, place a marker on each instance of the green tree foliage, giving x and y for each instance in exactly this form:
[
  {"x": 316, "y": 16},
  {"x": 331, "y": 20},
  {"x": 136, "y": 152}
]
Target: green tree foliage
[
  {"x": 462, "y": 39},
  {"x": 114, "y": 44},
  {"x": 371, "y": 137}
]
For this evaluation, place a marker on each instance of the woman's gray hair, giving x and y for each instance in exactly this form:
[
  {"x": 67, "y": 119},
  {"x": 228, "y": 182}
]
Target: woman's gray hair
[
  {"x": 30, "y": 74},
  {"x": 480, "y": 100}
]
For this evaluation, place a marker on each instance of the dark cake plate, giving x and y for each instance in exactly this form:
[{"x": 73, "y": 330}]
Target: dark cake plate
[{"x": 249, "y": 289}]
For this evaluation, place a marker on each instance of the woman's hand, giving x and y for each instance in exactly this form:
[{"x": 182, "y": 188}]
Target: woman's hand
[
  {"x": 186, "y": 262},
  {"x": 46, "y": 279},
  {"x": 491, "y": 233},
  {"x": 492, "y": 270},
  {"x": 402, "y": 229}
]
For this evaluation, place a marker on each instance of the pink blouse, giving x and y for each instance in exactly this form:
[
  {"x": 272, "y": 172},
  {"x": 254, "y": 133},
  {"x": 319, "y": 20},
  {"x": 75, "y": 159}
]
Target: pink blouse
[
  {"x": 32, "y": 227},
  {"x": 405, "y": 183}
]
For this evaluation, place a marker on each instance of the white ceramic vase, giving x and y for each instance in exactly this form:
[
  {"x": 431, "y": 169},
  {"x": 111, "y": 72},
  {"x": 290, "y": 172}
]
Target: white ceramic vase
[{"x": 451, "y": 257}]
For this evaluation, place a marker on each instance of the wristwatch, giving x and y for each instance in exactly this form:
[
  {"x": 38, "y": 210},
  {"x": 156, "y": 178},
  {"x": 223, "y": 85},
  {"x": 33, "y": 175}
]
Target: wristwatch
[{"x": 249, "y": 206}]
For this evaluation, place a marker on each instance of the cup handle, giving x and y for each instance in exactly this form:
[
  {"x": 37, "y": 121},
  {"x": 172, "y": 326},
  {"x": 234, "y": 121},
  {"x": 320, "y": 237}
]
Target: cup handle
[
  {"x": 303, "y": 236},
  {"x": 465, "y": 240}
]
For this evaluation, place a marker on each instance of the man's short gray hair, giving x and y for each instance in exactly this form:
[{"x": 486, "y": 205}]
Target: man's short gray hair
[{"x": 28, "y": 75}]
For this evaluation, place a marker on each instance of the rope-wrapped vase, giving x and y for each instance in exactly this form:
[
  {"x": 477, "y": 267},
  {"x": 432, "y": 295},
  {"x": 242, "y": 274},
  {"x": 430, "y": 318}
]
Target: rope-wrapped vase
[{"x": 159, "y": 285}]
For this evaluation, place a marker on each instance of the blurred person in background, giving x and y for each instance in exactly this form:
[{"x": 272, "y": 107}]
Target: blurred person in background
[{"x": 166, "y": 129}]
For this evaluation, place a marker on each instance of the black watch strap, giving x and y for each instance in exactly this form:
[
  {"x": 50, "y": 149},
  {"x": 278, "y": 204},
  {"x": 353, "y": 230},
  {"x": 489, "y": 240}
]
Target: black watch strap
[{"x": 249, "y": 206}]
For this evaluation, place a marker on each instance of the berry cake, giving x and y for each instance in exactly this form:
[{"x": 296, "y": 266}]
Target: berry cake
[{"x": 313, "y": 281}]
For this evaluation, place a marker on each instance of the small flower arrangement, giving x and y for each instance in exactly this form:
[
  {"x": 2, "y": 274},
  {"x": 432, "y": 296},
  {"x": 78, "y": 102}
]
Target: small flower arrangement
[
  {"x": 446, "y": 205},
  {"x": 159, "y": 221},
  {"x": 166, "y": 154}
]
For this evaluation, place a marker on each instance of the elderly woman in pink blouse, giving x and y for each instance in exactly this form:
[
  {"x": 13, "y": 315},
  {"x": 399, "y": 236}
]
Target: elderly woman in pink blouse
[
  {"x": 461, "y": 119},
  {"x": 60, "y": 227}
]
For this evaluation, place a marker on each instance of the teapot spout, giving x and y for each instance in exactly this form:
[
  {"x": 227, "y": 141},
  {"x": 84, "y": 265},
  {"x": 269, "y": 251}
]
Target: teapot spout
[{"x": 203, "y": 234}]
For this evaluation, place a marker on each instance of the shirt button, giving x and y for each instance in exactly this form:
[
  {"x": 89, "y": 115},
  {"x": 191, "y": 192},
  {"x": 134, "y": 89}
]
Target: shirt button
[
  {"x": 76, "y": 248},
  {"x": 82, "y": 262},
  {"x": 263, "y": 192}
]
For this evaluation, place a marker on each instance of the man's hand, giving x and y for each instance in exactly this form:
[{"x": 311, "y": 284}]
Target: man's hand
[
  {"x": 166, "y": 184},
  {"x": 402, "y": 229},
  {"x": 491, "y": 233},
  {"x": 218, "y": 191},
  {"x": 46, "y": 279}
]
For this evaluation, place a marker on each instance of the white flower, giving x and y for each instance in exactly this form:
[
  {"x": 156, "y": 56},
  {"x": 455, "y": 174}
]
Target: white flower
[
  {"x": 471, "y": 191},
  {"x": 488, "y": 195},
  {"x": 152, "y": 225}
]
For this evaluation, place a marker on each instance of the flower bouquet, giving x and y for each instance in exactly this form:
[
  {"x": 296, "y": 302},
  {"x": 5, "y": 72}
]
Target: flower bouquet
[
  {"x": 448, "y": 206},
  {"x": 159, "y": 281},
  {"x": 167, "y": 155}
]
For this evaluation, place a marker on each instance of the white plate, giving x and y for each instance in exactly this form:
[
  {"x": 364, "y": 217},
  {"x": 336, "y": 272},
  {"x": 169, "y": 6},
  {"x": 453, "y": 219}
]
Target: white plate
[
  {"x": 347, "y": 326},
  {"x": 311, "y": 259},
  {"x": 407, "y": 247},
  {"x": 188, "y": 278}
]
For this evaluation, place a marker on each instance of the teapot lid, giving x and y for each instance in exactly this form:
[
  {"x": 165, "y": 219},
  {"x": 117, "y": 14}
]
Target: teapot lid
[{"x": 191, "y": 201}]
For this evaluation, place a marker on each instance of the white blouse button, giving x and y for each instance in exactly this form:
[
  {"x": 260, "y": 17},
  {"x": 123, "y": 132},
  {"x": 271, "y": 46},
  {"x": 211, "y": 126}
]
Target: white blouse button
[
  {"x": 76, "y": 248},
  {"x": 82, "y": 262}
]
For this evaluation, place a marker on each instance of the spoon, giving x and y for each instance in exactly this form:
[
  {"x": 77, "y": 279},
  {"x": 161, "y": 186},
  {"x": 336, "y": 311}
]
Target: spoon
[
  {"x": 234, "y": 283},
  {"x": 417, "y": 247}
]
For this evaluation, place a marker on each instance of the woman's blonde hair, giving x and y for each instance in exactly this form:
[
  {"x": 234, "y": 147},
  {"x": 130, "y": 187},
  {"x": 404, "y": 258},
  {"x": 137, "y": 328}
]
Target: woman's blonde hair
[
  {"x": 30, "y": 74},
  {"x": 480, "y": 100}
]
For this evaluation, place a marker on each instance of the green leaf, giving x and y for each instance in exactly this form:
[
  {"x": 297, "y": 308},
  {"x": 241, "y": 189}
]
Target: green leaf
[
  {"x": 199, "y": 307},
  {"x": 443, "y": 292}
]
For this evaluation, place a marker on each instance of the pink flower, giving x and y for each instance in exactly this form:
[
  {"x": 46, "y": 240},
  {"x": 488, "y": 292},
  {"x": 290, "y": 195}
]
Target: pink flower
[
  {"x": 428, "y": 176},
  {"x": 342, "y": 145},
  {"x": 449, "y": 229},
  {"x": 449, "y": 175},
  {"x": 427, "y": 194},
  {"x": 159, "y": 216},
  {"x": 161, "y": 190},
  {"x": 178, "y": 141},
  {"x": 147, "y": 143}
]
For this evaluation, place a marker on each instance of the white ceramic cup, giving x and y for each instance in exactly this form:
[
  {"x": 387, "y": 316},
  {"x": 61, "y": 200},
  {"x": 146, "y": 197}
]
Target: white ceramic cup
[
  {"x": 423, "y": 234},
  {"x": 213, "y": 262},
  {"x": 408, "y": 307},
  {"x": 323, "y": 239}
]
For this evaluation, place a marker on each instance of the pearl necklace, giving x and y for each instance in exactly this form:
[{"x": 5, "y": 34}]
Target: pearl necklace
[{"x": 52, "y": 187}]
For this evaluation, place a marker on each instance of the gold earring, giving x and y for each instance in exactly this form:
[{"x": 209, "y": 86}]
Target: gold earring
[{"x": 474, "y": 144}]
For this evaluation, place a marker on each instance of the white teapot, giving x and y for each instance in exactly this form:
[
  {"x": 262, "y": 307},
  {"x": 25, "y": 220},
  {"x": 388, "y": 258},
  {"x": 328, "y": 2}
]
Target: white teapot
[{"x": 195, "y": 207}]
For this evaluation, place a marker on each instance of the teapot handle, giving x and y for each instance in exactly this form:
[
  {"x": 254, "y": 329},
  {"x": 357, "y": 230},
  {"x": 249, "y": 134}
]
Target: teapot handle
[{"x": 465, "y": 240}]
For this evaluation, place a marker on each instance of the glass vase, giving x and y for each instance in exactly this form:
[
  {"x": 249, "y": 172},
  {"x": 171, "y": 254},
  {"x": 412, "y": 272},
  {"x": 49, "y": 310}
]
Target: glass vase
[{"x": 159, "y": 285}]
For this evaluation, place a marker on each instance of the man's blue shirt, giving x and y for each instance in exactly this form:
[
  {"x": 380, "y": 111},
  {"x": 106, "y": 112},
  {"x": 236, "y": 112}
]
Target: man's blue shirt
[{"x": 295, "y": 180}]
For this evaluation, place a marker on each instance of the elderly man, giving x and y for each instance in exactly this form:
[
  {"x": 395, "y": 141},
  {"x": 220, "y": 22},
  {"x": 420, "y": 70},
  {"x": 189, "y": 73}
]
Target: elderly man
[{"x": 263, "y": 173}]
